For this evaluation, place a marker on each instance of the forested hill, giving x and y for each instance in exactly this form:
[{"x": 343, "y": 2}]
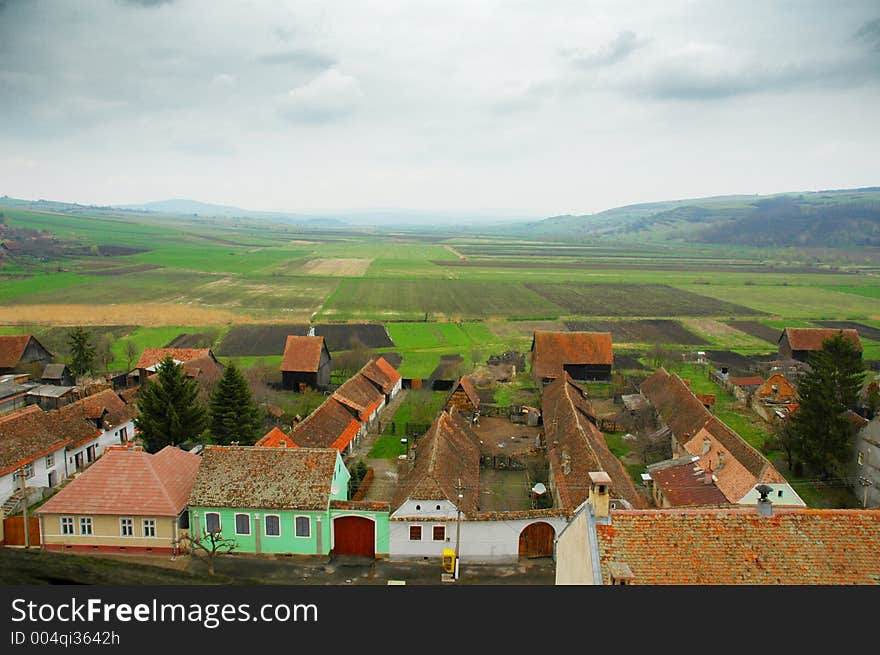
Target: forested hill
[{"x": 841, "y": 219}]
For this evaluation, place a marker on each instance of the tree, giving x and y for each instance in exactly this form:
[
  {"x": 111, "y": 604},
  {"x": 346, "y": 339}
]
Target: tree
[
  {"x": 82, "y": 351},
  {"x": 169, "y": 412},
  {"x": 234, "y": 414},
  {"x": 820, "y": 431},
  {"x": 130, "y": 349},
  {"x": 209, "y": 546},
  {"x": 104, "y": 350}
]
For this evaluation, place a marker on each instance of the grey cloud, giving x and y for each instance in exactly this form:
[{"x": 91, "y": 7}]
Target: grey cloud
[
  {"x": 301, "y": 58},
  {"x": 870, "y": 32},
  {"x": 147, "y": 3},
  {"x": 616, "y": 51}
]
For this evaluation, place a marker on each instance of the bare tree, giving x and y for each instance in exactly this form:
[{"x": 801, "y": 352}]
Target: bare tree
[
  {"x": 208, "y": 547},
  {"x": 130, "y": 350},
  {"x": 104, "y": 349}
]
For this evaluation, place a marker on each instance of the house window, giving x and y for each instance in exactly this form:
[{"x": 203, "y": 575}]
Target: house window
[
  {"x": 415, "y": 533},
  {"x": 50, "y": 461},
  {"x": 126, "y": 527},
  {"x": 85, "y": 525},
  {"x": 212, "y": 522},
  {"x": 437, "y": 508},
  {"x": 303, "y": 526},
  {"x": 418, "y": 508},
  {"x": 28, "y": 472},
  {"x": 123, "y": 435},
  {"x": 439, "y": 533},
  {"x": 149, "y": 527},
  {"x": 242, "y": 524},
  {"x": 861, "y": 458},
  {"x": 779, "y": 494},
  {"x": 66, "y": 525},
  {"x": 273, "y": 525}
]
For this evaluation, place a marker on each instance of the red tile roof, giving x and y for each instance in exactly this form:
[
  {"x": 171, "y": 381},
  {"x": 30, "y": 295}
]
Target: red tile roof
[
  {"x": 813, "y": 338},
  {"x": 574, "y": 443},
  {"x": 331, "y": 425},
  {"x": 302, "y": 354},
  {"x": 275, "y": 438},
  {"x": 381, "y": 373},
  {"x": 552, "y": 350},
  {"x": 448, "y": 452},
  {"x": 683, "y": 485},
  {"x": 680, "y": 409},
  {"x": 12, "y": 348},
  {"x": 126, "y": 481},
  {"x": 706, "y": 398},
  {"x": 749, "y": 381},
  {"x": 105, "y": 406},
  {"x": 249, "y": 477},
  {"x": 26, "y": 435},
  {"x": 785, "y": 391},
  {"x": 153, "y": 356},
  {"x": 738, "y": 546}
]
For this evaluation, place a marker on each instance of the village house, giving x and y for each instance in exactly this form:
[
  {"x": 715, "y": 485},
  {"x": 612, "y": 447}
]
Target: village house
[
  {"x": 798, "y": 343},
  {"x": 31, "y": 443},
  {"x": 284, "y": 501},
  {"x": 585, "y": 356},
  {"x": 128, "y": 501},
  {"x": 13, "y": 394},
  {"x": 719, "y": 456},
  {"x": 437, "y": 505},
  {"x": 744, "y": 387},
  {"x": 698, "y": 546},
  {"x": 111, "y": 422},
  {"x": 50, "y": 396},
  {"x": 200, "y": 364},
  {"x": 276, "y": 438},
  {"x": 22, "y": 352},
  {"x": 866, "y": 464},
  {"x": 776, "y": 399},
  {"x": 305, "y": 364},
  {"x": 463, "y": 398}
]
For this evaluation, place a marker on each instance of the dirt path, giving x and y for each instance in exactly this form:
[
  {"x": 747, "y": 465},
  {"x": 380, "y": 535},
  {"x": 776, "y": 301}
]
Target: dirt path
[{"x": 455, "y": 252}]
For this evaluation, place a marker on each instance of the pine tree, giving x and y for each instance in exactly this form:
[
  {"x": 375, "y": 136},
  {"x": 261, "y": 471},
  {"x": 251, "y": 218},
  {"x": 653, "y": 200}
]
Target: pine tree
[
  {"x": 234, "y": 414},
  {"x": 169, "y": 412},
  {"x": 820, "y": 430},
  {"x": 82, "y": 351}
]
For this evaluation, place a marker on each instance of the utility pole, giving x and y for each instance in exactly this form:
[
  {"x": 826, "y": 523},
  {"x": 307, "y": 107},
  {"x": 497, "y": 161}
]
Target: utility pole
[
  {"x": 458, "y": 529},
  {"x": 21, "y": 481},
  {"x": 865, "y": 482}
]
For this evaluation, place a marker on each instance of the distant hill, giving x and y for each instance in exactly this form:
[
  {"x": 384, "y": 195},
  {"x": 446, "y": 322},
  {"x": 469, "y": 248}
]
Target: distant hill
[
  {"x": 196, "y": 208},
  {"x": 833, "y": 218}
]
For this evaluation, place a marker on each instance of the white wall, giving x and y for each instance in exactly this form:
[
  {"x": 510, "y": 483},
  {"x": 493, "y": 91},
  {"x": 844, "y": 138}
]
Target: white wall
[
  {"x": 40, "y": 477},
  {"x": 107, "y": 438},
  {"x": 789, "y": 496},
  {"x": 481, "y": 541},
  {"x": 396, "y": 389}
]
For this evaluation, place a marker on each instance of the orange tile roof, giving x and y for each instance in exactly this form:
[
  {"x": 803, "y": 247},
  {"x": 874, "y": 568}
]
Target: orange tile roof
[
  {"x": 552, "y": 350},
  {"x": 448, "y": 452},
  {"x": 302, "y": 354},
  {"x": 749, "y": 381},
  {"x": 153, "y": 356},
  {"x": 105, "y": 405},
  {"x": 126, "y": 481},
  {"x": 381, "y": 373},
  {"x": 572, "y": 436},
  {"x": 679, "y": 408},
  {"x": 738, "y": 546},
  {"x": 12, "y": 348},
  {"x": 785, "y": 391},
  {"x": 275, "y": 438},
  {"x": 264, "y": 478},
  {"x": 706, "y": 398},
  {"x": 26, "y": 435},
  {"x": 330, "y": 425},
  {"x": 813, "y": 338}
]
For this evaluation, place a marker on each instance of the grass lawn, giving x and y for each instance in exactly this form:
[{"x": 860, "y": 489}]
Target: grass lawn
[{"x": 418, "y": 407}]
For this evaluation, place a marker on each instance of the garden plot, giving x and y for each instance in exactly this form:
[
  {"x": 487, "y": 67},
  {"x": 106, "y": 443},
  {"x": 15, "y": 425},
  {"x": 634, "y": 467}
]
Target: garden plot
[
  {"x": 347, "y": 336},
  {"x": 259, "y": 340},
  {"x": 645, "y": 331},
  {"x": 758, "y": 330}
]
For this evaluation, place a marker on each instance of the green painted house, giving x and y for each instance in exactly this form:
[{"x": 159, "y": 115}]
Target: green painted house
[{"x": 285, "y": 501}]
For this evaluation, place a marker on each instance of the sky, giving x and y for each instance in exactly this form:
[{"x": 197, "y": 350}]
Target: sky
[{"x": 524, "y": 107}]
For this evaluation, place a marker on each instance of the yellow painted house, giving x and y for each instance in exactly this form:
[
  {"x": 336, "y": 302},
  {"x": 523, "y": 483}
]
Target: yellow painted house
[{"x": 127, "y": 501}]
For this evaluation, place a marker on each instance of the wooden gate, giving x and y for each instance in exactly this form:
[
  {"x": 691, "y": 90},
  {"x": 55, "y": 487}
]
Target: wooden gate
[
  {"x": 536, "y": 540},
  {"x": 13, "y": 531},
  {"x": 354, "y": 535}
]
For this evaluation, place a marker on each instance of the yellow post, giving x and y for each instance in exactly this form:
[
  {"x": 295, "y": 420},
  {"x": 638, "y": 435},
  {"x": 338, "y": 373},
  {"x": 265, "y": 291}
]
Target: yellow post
[{"x": 449, "y": 560}]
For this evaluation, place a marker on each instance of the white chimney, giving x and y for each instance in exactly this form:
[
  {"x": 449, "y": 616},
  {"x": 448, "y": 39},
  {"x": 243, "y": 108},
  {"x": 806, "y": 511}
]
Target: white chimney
[{"x": 765, "y": 505}]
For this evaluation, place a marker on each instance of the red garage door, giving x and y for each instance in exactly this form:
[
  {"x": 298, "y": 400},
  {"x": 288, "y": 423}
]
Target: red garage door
[{"x": 354, "y": 535}]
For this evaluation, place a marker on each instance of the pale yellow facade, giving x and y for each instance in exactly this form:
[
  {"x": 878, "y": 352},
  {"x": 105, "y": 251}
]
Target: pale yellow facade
[
  {"x": 107, "y": 531},
  {"x": 574, "y": 564}
]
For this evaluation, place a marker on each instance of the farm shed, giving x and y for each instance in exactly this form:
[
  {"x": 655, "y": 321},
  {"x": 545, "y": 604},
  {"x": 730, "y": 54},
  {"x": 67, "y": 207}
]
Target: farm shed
[
  {"x": 18, "y": 352},
  {"x": 581, "y": 355},
  {"x": 463, "y": 397},
  {"x": 798, "y": 343},
  {"x": 306, "y": 363},
  {"x": 57, "y": 374}
]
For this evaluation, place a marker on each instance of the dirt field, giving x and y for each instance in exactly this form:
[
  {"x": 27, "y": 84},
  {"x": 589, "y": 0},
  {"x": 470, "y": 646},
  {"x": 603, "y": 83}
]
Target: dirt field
[
  {"x": 645, "y": 331},
  {"x": 339, "y": 337},
  {"x": 259, "y": 340},
  {"x": 498, "y": 436},
  {"x": 759, "y": 330},
  {"x": 144, "y": 314},
  {"x": 502, "y": 491},
  {"x": 337, "y": 267},
  {"x": 524, "y": 328},
  {"x": 710, "y": 326},
  {"x": 628, "y": 362},
  {"x": 865, "y": 331}
]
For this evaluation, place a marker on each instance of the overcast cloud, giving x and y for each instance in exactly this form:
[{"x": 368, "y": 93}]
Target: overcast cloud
[{"x": 534, "y": 106}]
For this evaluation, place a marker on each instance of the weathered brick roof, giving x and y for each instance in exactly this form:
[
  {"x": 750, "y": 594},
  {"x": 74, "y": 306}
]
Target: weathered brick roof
[
  {"x": 381, "y": 373},
  {"x": 26, "y": 435},
  {"x": 738, "y": 546},
  {"x": 813, "y": 338},
  {"x": 331, "y": 423},
  {"x": 551, "y": 350},
  {"x": 302, "y": 354},
  {"x": 575, "y": 443},
  {"x": 127, "y": 481},
  {"x": 679, "y": 408},
  {"x": 105, "y": 405},
  {"x": 449, "y": 452},
  {"x": 683, "y": 484},
  {"x": 264, "y": 478}
]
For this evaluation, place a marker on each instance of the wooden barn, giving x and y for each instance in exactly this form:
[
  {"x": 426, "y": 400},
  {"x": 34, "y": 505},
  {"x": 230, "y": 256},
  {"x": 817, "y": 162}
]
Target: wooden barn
[
  {"x": 798, "y": 343},
  {"x": 583, "y": 355},
  {"x": 19, "y": 352},
  {"x": 463, "y": 397},
  {"x": 306, "y": 363}
]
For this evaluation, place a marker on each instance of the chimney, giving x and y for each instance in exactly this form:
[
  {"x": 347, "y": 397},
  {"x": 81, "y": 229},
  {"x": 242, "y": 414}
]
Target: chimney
[
  {"x": 566, "y": 463},
  {"x": 707, "y": 445},
  {"x": 707, "y": 475},
  {"x": 600, "y": 489},
  {"x": 620, "y": 573},
  {"x": 765, "y": 505},
  {"x": 720, "y": 460}
]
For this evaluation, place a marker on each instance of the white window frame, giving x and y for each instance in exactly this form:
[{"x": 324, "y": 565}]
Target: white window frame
[
  {"x": 434, "y": 527},
  {"x": 219, "y": 522},
  {"x": 266, "y": 518},
  {"x": 153, "y": 528},
  {"x": 71, "y": 522},
  {"x": 28, "y": 472},
  {"x": 296, "y": 527},
  {"x": 50, "y": 460},
  {"x": 123, "y": 525},
  {"x": 83, "y": 521},
  {"x": 249, "y": 527}
]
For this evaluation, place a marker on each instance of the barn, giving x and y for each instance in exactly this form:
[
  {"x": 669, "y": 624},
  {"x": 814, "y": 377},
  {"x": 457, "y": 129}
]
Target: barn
[{"x": 585, "y": 356}]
